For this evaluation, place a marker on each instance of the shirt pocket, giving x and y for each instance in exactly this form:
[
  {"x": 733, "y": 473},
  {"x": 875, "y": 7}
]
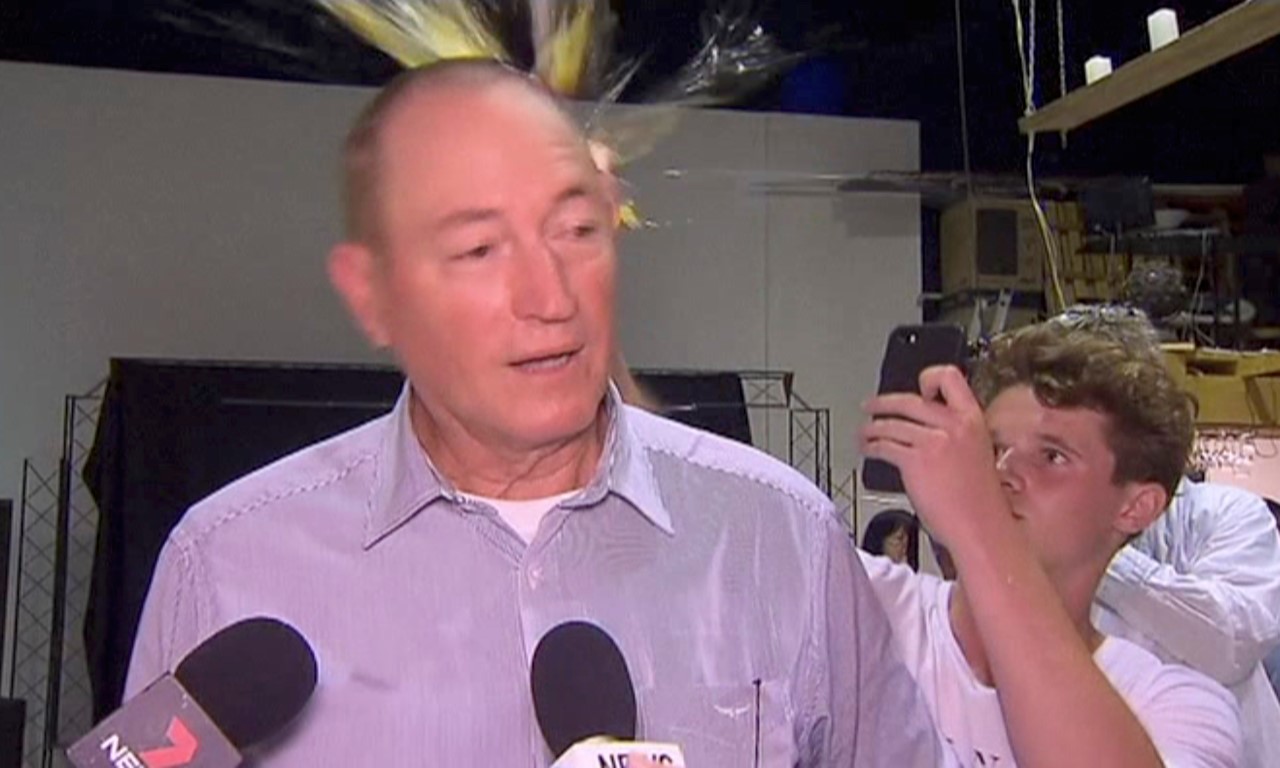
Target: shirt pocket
[{"x": 722, "y": 725}]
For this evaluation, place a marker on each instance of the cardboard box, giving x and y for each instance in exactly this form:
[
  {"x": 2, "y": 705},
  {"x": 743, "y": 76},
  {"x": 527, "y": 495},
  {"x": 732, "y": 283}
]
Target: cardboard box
[
  {"x": 991, "y": 244},
  {"x": 1232, "y": 388}
]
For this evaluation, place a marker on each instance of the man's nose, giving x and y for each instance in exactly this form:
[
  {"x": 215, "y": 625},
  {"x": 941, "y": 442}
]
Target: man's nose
[{"x": 542, "y": 288}]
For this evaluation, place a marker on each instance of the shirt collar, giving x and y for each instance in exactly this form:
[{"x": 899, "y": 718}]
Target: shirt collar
[
  {"x": 406, "y": 482},
  {"x": 625, "y": 469}
]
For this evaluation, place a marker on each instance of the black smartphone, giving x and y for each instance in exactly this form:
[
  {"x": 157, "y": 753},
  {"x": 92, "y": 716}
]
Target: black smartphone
[{"x": 911, "y": 349}]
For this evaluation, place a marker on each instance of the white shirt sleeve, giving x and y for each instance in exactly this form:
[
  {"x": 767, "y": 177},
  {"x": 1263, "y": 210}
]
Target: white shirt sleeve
[
  {"x": 897, "y": 586},
  {"x": 1192, "y": 721},
  {"x": 1205, "y": 582},
  {"x": 901, "y": 592}
]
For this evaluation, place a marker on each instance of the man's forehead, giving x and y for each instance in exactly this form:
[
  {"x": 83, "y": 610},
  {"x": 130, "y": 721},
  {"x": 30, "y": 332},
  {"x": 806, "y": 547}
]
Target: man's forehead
[
  {"x": 451, "y": 107},
  {"x": 1024, "y": 412},
  {"x": 442, "y": 137},
  {"x": 454, "y": 156}
]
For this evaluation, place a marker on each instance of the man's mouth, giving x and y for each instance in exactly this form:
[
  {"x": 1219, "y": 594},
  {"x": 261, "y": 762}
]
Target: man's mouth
[{"x": 548, "y": 362}]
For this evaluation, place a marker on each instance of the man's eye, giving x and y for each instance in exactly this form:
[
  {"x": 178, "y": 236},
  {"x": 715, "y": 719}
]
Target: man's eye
[
  {"x": 1054, "y": 456},
  {"x": 582, "y": 230},
  {"x": 479, "y": 252}
]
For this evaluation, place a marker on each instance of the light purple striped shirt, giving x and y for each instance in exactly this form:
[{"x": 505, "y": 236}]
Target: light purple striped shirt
[{"x": 711, "y": 565}]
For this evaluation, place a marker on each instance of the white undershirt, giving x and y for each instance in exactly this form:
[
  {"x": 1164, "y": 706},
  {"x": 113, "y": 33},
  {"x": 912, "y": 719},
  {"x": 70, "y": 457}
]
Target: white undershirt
[{"x": 525, "y": 515}]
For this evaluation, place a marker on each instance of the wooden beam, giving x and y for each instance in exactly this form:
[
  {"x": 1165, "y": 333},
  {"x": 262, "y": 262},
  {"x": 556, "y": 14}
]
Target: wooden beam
[{"x": 1238, "y": 29}]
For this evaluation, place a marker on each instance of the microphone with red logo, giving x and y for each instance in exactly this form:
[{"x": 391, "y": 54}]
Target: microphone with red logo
[
  {"x": 585, "y": 702},
  {"x": 240, "y": 687}
]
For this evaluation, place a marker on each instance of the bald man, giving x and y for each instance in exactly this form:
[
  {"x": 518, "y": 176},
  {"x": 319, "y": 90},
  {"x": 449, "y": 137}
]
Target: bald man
[{"x": 425, "y": 553}]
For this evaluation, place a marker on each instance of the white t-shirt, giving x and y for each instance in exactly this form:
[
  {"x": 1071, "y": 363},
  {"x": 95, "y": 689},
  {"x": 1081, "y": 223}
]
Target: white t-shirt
[
  {"x": 1192, "y": 720},
  {"x": 523, "y": 516}
]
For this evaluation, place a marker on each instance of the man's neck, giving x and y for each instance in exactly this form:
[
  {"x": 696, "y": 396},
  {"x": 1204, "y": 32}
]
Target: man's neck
[
  {"x": 1076, "y": 595},
  {"x": 478, "y": 467}
]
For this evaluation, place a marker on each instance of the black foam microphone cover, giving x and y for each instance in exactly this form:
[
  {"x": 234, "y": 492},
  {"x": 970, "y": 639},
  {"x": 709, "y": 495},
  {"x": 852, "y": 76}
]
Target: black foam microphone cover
[
  {"x": 251, "y": 678},
  {"x": 581, "y": 687}
]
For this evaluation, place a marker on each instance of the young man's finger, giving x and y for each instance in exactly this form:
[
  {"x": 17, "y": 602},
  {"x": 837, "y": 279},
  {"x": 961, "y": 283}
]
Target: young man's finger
[
  {"x": 906, "y": 433},
  {"x": 896, "y": 454},
  {"x": 948, "y": 384},
  {"x": 904, "y": 405}
]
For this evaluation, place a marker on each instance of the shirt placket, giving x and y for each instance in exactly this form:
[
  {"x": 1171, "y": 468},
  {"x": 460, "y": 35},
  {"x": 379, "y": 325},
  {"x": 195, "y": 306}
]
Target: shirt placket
[{"x": 534, "y": 603}]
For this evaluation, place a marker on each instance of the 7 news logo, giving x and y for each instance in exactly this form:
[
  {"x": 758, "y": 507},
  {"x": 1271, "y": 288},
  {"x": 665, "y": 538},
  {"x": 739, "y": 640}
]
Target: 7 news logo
[{"x": 180, "y": 751}]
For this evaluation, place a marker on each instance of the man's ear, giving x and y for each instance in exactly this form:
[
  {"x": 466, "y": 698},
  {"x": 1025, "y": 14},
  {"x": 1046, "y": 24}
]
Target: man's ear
[
  {"x": 1146, "y": 502},
  {"x": 355, "y": 275}
]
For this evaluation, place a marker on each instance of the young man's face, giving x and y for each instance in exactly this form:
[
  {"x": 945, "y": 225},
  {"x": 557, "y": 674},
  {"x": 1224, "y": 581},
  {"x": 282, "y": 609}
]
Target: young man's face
[{"x": 1056, "y": 467}]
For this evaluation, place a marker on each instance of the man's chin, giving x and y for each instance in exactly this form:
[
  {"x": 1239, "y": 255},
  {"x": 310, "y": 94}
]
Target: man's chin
[{"x": 581, "y": 423}]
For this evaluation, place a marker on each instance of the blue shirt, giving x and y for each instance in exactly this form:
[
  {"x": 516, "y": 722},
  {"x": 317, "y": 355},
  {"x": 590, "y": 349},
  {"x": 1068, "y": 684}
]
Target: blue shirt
[
  {"x": 712, "y": 565},
  {"x": 1201, "y": 587}
]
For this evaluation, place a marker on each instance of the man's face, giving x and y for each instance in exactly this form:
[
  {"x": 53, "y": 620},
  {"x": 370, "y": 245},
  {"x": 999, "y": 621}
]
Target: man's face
[
  {"x": 496, "y": 267},
  {"x": 1056, "y": 468}
]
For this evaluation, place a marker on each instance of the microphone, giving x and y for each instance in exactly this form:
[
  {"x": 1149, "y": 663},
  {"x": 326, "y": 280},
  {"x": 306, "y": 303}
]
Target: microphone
[
  {"x": 241, "y": 686},
  {"x": 585, "y": 703}
]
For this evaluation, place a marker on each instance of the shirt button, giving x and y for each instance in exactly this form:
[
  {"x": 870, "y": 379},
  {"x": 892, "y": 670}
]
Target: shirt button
[{"x": 535, "y": 576}]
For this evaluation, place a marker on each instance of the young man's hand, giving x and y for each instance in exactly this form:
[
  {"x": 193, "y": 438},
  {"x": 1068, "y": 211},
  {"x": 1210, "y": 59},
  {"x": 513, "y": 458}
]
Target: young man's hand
[{"x": 939, "y": 441}]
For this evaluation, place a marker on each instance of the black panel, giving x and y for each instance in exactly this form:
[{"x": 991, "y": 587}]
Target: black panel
[
  {"x": 708, "y": 400},
  {"x": 171, "y": 433}
]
